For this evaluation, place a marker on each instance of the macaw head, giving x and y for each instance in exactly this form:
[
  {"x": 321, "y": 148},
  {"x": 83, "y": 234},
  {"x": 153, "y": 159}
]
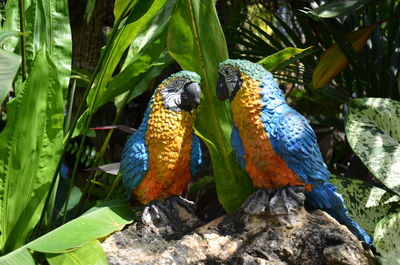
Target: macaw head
[
  {"x": 230, "y": 76},
  {"x": 181, "y": 91}
]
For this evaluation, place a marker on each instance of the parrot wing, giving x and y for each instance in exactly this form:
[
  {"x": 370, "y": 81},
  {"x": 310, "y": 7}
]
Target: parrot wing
[
  {"x": 135, "y": 161},
  {"x": 135, "y": 156},
  {"x": 237, "y": 146},
  {"x": 196, "y": 158},
  {"x": 293, "y": 139}
]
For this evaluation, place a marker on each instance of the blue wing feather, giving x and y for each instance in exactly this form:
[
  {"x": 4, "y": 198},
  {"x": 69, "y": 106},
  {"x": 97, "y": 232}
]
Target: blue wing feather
[
  {"x": 135, "y": 157},
  {"x": 295, "y": 142},
  {"x": 293, "y": 139},
  {"x": 237, "y": 146},
  {"x": 196, "y": 158}
]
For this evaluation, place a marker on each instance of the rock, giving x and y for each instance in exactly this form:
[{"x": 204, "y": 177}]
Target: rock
[{"x": 237, "y": 238}]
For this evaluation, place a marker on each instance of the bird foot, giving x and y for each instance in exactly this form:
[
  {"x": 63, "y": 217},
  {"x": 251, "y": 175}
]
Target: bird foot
[
  {"x": 271, "y": 202},
  {"x": 169, "y": 217}
]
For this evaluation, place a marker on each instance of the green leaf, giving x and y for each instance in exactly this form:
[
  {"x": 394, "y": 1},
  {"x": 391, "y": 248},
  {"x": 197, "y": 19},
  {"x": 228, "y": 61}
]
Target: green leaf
[
  {"x": 338, "y": 9},
  {"x": 30, "y": 146},
  {"x": 98, "y": 222},
  {"x": 144, "y": 51},
  {"x": 6, "y": 34},
  {"x": 11, "y": 23},
  {"x": 146, "y": 78},
  {"x": 9, "y": 64},
  {"x": 197, "y": 43},
  {"x": 74, "y": 199},
  {"x": 200, "y": 184},
  {"x": 82, "y": 120},
  {"x": 90, "y": 253},
  {"x": 133, "y": 26},
  {"x": 90, "y": 6},
  {"x": 386, "y": 239},
  {"x": 18, "y": 257},
  {"x": 367, "y": 204},
  {"x": 274, "y": 60},
  {"x": 77, "y": 238},
  {"x": 373, "y": 131},
  {"x": 121, "y": 7},
  {"x": 333, "y": 60},
  {"x": 48, "y": 20}
]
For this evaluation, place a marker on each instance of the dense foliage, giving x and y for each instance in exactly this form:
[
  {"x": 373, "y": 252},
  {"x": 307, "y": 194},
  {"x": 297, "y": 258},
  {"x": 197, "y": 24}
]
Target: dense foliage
[{"x": 337, "y": 62}]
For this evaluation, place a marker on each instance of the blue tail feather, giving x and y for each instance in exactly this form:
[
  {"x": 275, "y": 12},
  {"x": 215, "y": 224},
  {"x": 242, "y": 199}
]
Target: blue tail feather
[{"x": 326, "y": 198}]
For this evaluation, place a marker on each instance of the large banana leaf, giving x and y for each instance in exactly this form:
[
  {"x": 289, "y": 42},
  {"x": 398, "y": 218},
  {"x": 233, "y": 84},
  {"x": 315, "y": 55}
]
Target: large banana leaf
[
  {"x": 30, "y": 147},
  {"x": 373, "y": 131},
  {"x": 76, "y": 240},
  {"x": 91, "y": 253},
  {"x": 197, "y": 43}
]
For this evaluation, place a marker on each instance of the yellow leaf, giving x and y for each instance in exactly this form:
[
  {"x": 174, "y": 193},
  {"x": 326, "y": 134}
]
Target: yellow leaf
[{"x": 333, "y": 60}]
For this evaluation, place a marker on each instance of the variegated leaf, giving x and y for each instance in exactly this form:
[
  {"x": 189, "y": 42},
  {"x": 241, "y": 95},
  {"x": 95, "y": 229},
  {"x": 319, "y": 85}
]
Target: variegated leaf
[
  {"x": 367, "y": 205},
  {"x": 387, "y": 240},
  {"x": 373, "y": 131}
]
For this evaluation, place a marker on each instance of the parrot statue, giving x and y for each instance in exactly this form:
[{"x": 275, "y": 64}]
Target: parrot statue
[
  {"x": 274, "y": 143},
  {"x": 160, "y": 157}
]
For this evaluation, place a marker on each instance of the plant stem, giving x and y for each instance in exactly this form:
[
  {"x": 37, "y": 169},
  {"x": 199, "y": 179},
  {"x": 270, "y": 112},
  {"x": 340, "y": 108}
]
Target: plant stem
[
  {"x": 21, "y": 5},
  {"x": 70, "y": 104}
]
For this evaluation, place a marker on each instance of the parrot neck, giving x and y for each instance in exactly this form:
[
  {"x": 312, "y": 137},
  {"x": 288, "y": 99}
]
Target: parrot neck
[
  {"x": 272, "y": 99},
  {"x": 143, "y": 126}
]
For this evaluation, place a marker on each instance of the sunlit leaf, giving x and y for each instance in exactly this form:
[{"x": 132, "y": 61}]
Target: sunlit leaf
[
  {"x": 367, "y": 204},
  {"x": 338, "y": 9},
  {"x": 121, "y": 7},
  {"x": 18, "y": 257},
  {"x": 9, "y": 64},
  {"x": 197, "y": 43},
  {"x": 132, "y": 27},
  {"x": 387, "y": 241},
  {"x": 274, "y": 60},
  {"x": 373, "y": 131},
  {"x": 48, "y": 22},
  {"x": 77, "y": 238},
  {"x": 96, "y": 223},
  {"x": 146, "y": 79},
  {"x": 90, "y": 253},
  {"x": 333, "y": 60},
  {"x": 144, "y": 52},
  {"x": 30, "y": 146},
  {"x": 6, "y": 34}
]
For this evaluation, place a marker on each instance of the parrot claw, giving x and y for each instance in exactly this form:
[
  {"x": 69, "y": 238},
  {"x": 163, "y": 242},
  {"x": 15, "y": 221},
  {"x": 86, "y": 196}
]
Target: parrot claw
[
  {"x": 169, "y": 216},
  {"x": 273, "y": 202}
]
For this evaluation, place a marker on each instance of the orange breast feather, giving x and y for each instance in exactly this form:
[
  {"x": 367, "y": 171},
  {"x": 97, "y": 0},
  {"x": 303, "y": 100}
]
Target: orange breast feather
[{"x": 168, "y": 138}]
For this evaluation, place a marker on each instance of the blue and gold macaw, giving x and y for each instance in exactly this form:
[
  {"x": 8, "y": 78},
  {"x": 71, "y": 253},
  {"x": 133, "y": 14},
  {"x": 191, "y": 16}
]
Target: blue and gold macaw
[
  {"x": 274, "y": 143},
  {"x": 160, "y": 157}
]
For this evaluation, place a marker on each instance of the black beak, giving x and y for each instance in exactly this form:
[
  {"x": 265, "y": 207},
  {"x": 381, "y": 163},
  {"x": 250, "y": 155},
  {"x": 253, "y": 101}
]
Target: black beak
[
  {"x": 190, "y": 98},
  {"x": 222, "y": 88}
]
